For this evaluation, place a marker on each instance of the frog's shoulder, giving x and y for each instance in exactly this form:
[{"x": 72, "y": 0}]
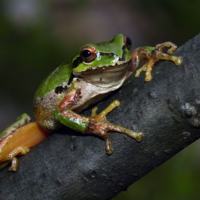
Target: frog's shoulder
[{"x": 61, "y": 75}]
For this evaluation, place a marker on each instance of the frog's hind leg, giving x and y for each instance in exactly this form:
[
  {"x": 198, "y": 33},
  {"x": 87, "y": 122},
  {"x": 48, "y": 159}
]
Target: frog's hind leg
[
  {"x": 153, "y": 55},
  {"x": 19, "y": 142}
]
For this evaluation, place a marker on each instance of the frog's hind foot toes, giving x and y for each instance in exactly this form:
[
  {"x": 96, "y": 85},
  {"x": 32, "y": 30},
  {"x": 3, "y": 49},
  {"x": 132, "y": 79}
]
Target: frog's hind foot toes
[
  {"x": 14, "y": 165},
  {"x": 139, "y": 136}
]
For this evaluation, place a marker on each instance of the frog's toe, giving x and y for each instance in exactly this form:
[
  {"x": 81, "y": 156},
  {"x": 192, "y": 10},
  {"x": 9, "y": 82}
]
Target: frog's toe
[
  {"x": 179, "y": 60},
  {"x": 14, "y": 164},
  {"x": 138, "y": 136},
  {"x": 109, "y": 151}
]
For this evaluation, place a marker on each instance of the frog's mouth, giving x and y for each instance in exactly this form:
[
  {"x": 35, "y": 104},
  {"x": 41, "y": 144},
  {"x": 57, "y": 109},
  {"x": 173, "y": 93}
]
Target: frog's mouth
[
  {"x": 121, "y": 66},
  {"x": 107, "y": 75}
]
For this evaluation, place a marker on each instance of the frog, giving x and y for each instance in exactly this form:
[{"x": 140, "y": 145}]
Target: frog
[
  {"x": 87, "y": 78},
  {"x": 93, "y": 73}
]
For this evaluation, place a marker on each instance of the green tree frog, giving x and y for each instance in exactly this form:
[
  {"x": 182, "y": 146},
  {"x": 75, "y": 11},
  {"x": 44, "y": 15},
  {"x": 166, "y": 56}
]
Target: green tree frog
[{"x": 94, "y": 72}]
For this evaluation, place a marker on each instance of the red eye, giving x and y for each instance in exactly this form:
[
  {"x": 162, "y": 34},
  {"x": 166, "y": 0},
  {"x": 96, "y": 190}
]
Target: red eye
[
  {"x": 88, "y": 54},
  {"x": 127, "y": 41}
]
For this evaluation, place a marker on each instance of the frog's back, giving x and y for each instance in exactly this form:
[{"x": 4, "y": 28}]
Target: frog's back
[{"x": 49, "y": 94}]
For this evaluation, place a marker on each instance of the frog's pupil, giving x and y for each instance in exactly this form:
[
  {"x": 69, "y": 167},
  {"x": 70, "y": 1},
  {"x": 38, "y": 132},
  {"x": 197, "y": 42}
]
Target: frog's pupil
[{"x": 86, "y": 53}]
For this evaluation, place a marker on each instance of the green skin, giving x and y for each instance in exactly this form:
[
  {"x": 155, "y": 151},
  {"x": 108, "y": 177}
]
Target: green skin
[{"x": 88, "y": 77}]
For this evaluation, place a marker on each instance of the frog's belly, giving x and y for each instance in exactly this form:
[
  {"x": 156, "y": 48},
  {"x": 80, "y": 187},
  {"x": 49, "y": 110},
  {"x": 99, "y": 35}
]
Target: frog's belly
[
  {"x": 89, "y": 93},
  {"x": 44, "y": 109}
]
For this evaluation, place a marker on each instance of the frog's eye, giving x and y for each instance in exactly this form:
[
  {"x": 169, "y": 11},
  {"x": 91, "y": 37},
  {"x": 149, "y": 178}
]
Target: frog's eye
[
  {"x": 127, "y": 41},
  {"x": 88, "y": 54}
]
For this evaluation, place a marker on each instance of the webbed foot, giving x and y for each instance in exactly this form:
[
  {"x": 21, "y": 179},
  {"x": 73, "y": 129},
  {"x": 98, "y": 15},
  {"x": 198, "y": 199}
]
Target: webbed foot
[
  {"x": 100, "y": 126},
  {"x": 153, "y": 55}
]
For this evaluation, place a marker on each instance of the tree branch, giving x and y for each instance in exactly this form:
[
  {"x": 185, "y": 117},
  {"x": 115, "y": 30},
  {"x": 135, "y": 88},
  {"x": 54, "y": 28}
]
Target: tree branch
[{"x": 69, "y": 165}]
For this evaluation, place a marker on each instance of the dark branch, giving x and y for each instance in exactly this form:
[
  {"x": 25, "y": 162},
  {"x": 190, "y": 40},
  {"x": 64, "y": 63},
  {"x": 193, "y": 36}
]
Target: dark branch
[{"x": 72, "y": 166}]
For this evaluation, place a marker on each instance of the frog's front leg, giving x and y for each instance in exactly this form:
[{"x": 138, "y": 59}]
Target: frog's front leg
[
  {"x": 153, "y": 55},
  {"x": 96, "y": 124}
]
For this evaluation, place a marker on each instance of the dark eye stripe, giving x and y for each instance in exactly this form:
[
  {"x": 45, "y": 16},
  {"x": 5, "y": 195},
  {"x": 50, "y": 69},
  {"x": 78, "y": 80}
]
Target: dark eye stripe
[
  {"x": 70, "y": 79},
  {"x": 78, "y": 60},
  {"x": 112, "y": 54},
  {"x": 103, "y": 54},
  {"x": 123, "y": 54}
]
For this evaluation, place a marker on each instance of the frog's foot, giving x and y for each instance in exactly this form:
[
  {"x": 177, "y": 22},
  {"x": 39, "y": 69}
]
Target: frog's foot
[
  {"x": 13, "y": 167},
  {"x": 13, "y": 159},
  {"x": 153, "y": 55},
  {"x": 10, "y": 158},
  {"x": 100, "y": 126}
]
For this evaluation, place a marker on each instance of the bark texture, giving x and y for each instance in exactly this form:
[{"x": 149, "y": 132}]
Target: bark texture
[{"x": 69, "y": 165}]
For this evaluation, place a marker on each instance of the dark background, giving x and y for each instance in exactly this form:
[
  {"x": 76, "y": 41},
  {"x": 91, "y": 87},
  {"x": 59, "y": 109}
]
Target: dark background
[{"x": 37, "y": 35}]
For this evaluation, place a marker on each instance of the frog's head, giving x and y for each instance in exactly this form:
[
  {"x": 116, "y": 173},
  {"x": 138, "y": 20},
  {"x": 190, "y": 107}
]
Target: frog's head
[{"x": 99, "y": 58}]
